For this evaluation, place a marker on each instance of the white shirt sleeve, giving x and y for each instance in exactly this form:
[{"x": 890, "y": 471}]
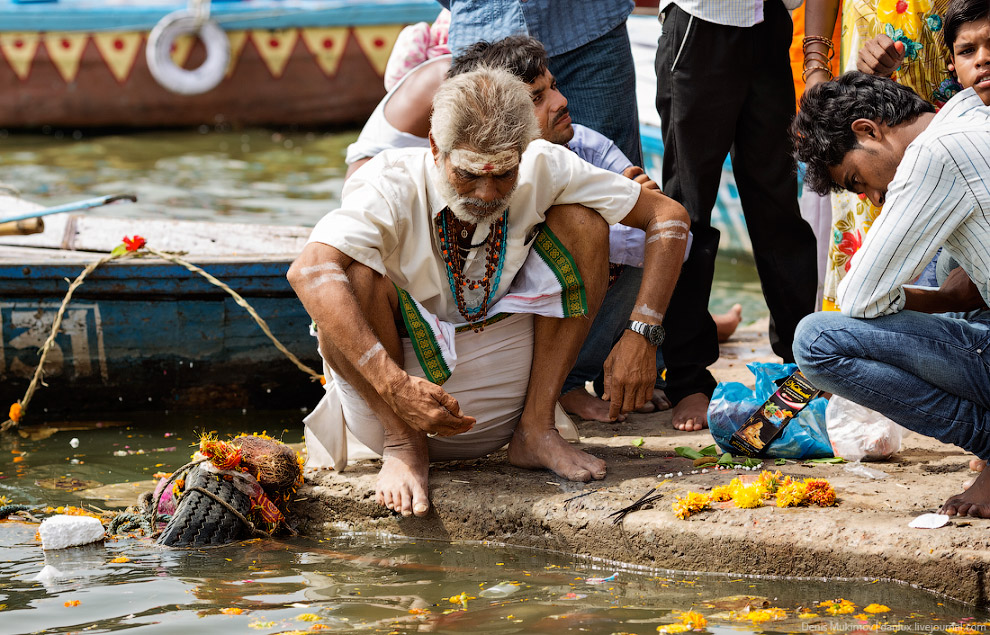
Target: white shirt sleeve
[
  {"x": 365, "y": 226},
  {"x": 926, "y": 202}
]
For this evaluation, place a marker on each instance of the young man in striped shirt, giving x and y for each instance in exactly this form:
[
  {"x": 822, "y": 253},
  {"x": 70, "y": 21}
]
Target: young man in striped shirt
[{"x": 893, "y": 348}]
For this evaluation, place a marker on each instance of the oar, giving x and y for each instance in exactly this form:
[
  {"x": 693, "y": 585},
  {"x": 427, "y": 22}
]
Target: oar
[{"x": 72, "y": 207}]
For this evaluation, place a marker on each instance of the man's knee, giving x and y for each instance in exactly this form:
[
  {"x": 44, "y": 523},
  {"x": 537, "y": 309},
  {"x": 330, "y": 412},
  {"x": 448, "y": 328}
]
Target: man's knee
[
  {"x": 584, "y": 223},
  {"x": 814, "y": 343}
]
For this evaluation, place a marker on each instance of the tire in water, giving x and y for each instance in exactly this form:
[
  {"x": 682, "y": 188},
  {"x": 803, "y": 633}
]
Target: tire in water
[{"x": 200, "y": 521}]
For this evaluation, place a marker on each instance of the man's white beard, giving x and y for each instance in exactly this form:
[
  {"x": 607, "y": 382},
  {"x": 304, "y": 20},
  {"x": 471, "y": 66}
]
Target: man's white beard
[{"x": 467, "y": 209}]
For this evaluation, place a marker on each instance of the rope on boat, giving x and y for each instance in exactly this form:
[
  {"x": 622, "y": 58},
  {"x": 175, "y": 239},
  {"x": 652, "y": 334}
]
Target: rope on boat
[{"x": 19, "y": 409}]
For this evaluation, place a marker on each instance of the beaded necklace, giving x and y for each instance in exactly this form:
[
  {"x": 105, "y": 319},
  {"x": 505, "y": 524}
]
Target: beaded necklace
[{"x": 454, "y": 261}]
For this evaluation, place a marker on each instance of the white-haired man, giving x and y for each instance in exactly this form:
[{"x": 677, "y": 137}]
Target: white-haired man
[{"x": 503, "y": 238}]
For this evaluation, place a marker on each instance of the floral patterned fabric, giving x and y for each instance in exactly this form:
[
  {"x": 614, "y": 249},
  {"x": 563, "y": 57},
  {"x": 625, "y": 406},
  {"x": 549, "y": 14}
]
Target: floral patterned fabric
[{"x": 918, "y": 25}]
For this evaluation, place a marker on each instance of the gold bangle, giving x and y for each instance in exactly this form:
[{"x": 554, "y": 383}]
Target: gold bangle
[
  {"x": 825, "y": 59},
  {"x": 808, "y": 70},
  {"x": 813, "y": 39}
]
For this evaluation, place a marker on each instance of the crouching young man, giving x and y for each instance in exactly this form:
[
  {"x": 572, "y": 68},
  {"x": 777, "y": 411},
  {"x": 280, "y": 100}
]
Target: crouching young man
[
  {"x": 454, "y": 286},
  {"x": 893, "y": 348}
]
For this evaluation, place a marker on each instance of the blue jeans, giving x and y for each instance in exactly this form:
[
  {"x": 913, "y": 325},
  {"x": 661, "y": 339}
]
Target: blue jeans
[
  {"x": 599, "y": 81},
  {"x": 929, "y": 373},
  {"x": 607, "y": 329}
]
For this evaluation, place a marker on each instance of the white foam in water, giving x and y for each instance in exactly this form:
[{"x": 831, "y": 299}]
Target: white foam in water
[{"x": 60, "y": 532}]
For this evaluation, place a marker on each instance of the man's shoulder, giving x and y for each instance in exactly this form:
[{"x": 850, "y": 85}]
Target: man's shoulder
[{"x": 394, "y": 169}]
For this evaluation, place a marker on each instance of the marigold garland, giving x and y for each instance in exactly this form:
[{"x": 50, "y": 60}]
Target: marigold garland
[
  {"x": 788, "y": 492},
  {"x": 689, "y": 621}
]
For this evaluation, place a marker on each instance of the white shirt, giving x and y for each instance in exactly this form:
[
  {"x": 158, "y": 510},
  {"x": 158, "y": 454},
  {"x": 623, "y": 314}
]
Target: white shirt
[
  {"x": 387, "y": 218},
  {"x": 940, "y": 195},
  {"x": 727, "y": 12}
]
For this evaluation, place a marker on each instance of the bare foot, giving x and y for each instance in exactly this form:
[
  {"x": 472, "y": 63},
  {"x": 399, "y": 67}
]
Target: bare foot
[
  {"x": 544, "y": 448},
  {"x": 660, "y": 400},
  {"x": 402, "y": 481},
  {"x": 977, "y": 465},
  {"x": 726, "y": 323},
  {"x": 975, "y": 501},
  {"x": 590, "y": 408},
  {"x": 691, "y": 413}
]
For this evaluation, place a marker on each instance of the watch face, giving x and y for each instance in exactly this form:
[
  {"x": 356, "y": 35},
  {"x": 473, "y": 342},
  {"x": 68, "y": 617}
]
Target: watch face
[{"x": 655, "y": 335}]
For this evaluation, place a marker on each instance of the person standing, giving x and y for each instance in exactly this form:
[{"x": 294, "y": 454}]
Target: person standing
[
  {"x": 589, "y": 50},
  {"x": 724, "y": 83}
]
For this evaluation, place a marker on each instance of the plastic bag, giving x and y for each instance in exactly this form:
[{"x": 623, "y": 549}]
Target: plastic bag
[
  {"x": 858, "y": 433},
  {"x": 804, "y": 437}
]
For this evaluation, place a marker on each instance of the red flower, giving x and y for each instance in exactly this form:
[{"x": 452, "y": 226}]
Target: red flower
[{"x": 134, "y": 243}]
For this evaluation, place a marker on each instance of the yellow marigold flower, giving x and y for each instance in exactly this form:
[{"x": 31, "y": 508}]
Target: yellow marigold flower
[
  {"x": 693, "y": 619},
  {"x": 791, "y": 494},
  {"x": 861, "y": 616},
  {"x": 720, "y": 493},
  {"x": 690, "y": 504},
  {"x": 674, "y": 628},
  {"x": 838, "y": 607},
  {"x": 72, "y": 603},
  {"x": 749, "y": 496},
  {"x": 820, "y": 492},
  {"x": 734, "y": 486},
  {"x": 760, "y": 616},
  {"x": 876, "y": 608},
  {"x": 16, "y": 411},
  {"x": 770, "y": 481},
  {"x": 120, "y": 559},
  {"x": 308, "y": 617},
  {"x": 232, "y": 611}
]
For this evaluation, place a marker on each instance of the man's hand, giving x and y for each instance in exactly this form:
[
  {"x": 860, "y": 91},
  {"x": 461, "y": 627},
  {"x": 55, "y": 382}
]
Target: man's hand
[
  {"x": 637, "y": 174},
  {"x": 880, "y": 56},
  {"x": 426, "y": 407},
  {"x": 630, "y": 374}
]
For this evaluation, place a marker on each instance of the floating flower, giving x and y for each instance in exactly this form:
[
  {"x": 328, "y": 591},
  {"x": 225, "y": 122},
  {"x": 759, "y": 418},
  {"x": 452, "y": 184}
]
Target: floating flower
[
  {"x": 760, "y": 616},
  {"x": 690, "y": 504},
  {"x": 72, "y": 603},
  {"x": 120, "y": 559},
  {"x": 820, "y": 492},
  {"x": 962, "y": 630},
  {"x": 261, "y": 625},
  {"x": 134, "y": 243},
  {"x": 749, "y": 496},
  {"x": 674, "y": 628},
  {"x": 308, "y": 617},
  {"x": 861, "y": 616},
  {"x": 876, "y": 608},
  {"x": 693, "y": 619},
  {"x": 16, "y": 412},
  {"x": 791, "y": 494},
  {"x": 838, "y": 607},
  {"x": 807, "y": 615}
]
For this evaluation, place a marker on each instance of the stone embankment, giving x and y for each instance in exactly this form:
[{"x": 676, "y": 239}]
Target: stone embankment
[{"x": 865, "y": 536}]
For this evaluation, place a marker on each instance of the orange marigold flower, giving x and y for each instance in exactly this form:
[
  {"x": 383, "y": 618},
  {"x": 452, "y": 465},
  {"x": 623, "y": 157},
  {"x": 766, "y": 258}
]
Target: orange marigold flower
[
  {"x": 120, "y": 559},
  {"x": 232, "y": 611},
  {"x": 16, "y": 412},
  {"x": 72, "y": 603},
  {"x": 820, "y": 492},
  {"x": 134, "y": 243},
  {"x": 690, "y": 504},
  {"x": 876, "y": 608}
]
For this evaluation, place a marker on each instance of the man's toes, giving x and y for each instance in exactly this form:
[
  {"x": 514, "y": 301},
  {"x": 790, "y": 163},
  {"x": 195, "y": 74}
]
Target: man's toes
[{"x": 977, "y": 465}]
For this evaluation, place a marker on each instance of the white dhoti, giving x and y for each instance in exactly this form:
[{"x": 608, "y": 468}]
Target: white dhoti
[{"x": 492, "y": 368}]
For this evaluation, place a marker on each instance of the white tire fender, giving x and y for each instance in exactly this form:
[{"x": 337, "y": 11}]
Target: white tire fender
[{"x": 158, "y": 53}]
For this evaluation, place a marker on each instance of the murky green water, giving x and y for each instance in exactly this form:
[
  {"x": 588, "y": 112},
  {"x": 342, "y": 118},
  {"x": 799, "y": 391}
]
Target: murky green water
[{"x": 350, "y": 583}]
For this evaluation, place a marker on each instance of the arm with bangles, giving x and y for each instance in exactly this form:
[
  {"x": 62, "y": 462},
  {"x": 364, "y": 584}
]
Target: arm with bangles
[
  {"x": 630, "y": 370},
  {"x": 320, "y": 277},
  {"x": 817, "y": 46}
]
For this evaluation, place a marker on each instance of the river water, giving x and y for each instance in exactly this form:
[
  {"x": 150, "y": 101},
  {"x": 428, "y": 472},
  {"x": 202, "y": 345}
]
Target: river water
[{"x": 350, "y": 583}]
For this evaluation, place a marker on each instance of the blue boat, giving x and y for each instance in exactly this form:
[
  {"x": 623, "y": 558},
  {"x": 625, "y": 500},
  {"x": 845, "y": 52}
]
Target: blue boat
[
  {"x": 145, "y": 333},
  {"x": 166, "y": 63}
]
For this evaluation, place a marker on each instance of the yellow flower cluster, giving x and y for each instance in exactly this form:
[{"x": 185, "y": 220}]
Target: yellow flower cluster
[
  {"x": 876, "y": 608},
  {"x": 691, "y": 504},
  {"x": 789, "y": 493},
  {"x": 760, "y": 616},
  {"x": 689, "y": 621},
  {"x": 838, "y": 607},
  {"x": 308, "y": 617}
]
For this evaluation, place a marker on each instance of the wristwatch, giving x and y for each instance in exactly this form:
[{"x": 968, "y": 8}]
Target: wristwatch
[{"x": 652, "y": 332}]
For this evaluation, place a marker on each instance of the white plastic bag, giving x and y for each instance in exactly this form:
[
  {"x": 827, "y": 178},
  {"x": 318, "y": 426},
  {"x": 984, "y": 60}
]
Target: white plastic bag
[{"x": 859, "y": 433}]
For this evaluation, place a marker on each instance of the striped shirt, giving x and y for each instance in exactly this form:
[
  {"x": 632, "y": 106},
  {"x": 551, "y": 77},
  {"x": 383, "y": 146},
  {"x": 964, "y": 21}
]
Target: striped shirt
[
  {"x": 560, "y": 25},
  {"x": 940, "y": 196},
  {"x": 727, "y": 12}
]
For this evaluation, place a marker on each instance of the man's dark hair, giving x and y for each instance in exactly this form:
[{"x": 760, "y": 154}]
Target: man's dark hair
[
  {"x": 822, "y": 129},
  {"x": 959, "y": 13},
  {"x": 521, "y": 55}
]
